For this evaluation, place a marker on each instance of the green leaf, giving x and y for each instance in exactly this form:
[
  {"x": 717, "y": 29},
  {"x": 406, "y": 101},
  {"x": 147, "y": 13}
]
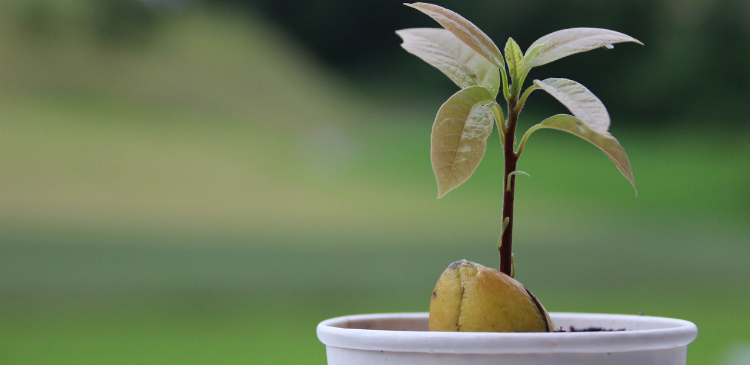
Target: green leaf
[
  {"x": 531, "y": 53},
  {"x": 579, "y": 100},
  {"x": 514, "y": 58},
  {"x": 605, "y": 141},
  {"x": 459, "y": 136},
  {"x": 464, "y": 30},
  {"x": 441, "y": 49},
  {"x": 566, "y": 42}
]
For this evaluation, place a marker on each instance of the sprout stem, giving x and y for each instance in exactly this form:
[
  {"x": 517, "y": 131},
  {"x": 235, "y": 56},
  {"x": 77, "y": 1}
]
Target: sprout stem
[
  {"x": 509, "y": 184},
  {"x": 504, "y": 86}
]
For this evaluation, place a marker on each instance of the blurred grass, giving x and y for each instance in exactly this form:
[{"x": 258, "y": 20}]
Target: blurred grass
[{"x": 210, "y": 196}]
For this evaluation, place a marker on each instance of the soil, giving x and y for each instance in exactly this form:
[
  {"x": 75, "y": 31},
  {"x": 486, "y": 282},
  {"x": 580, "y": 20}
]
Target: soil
[{"x": 589, "y": 329}]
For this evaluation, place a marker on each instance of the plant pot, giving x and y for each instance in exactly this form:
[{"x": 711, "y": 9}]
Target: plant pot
[{"x": 403, "y": 338}]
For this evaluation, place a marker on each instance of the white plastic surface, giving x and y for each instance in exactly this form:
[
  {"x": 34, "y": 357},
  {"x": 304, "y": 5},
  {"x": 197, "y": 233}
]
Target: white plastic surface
[{"x": 402, "y": 338}]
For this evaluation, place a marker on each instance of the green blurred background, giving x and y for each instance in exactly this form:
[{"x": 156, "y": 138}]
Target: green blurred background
[{"x": 203, "y": 182}]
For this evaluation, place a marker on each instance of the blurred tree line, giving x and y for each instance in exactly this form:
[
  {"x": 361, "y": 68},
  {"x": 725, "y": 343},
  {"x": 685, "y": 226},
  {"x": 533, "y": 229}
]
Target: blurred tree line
[{"x": 695, "y": 65}]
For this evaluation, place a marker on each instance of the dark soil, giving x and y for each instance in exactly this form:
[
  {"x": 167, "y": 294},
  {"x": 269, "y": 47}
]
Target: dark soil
[{"x": 589, "y": 329}]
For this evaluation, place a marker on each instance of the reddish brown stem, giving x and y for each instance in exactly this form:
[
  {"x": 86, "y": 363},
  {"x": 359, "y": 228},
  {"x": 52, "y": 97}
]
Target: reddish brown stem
[{"x": 509, "y": 188}]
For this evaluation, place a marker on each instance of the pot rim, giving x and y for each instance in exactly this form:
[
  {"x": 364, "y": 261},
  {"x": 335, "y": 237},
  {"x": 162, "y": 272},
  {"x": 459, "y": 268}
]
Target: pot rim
[{"x": 642, "y": 333}]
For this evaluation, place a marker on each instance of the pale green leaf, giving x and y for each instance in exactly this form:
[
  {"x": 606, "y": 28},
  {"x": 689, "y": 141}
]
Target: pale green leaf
[
  {"x": 465, "y": 30},
  {"x": 579, "y": 100},
  {"x": 605, "y": 141},
  {"x": 459, "y": 136},
  {"x": 441, "y": 49},
  {"x": 566, "y": 42},
  {"x": 531, "y": 53},
  {"x": 514, "y": 58}
]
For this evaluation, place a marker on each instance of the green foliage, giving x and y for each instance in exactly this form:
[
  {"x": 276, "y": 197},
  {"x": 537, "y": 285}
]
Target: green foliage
[
  {"x": 516, "y": 67},
  {"x": 441, "y": 49},
  {"x": 464, "y": 30},
  {"x": 464, "y": 122},
  {"x": 604, "y": 141},
  {"x": 589, "y": 121},
  {"x": 566, "y": 42},
  {"x": 459, "y": 136}
]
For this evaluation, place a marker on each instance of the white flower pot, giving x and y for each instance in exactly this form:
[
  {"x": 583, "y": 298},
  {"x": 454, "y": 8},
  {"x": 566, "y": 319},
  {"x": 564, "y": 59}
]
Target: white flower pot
[{"x": 403, "y": 338}]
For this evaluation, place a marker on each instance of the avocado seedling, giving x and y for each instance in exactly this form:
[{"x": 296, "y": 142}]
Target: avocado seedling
[{"x": 469, "y": 296}]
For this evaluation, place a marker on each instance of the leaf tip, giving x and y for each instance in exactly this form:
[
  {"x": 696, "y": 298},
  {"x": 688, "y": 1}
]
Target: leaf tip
[
  {"x": 628, "y": 173},
  {"x": 442, "y": 192},
  {"x": 402, "y": 34}
]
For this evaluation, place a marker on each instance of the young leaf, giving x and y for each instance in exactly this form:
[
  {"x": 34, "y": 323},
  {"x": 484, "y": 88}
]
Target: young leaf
[
  {"x": 514, "y": 58},
  {"x": 459, "y": 136},
  {"x": 566, "y": 42},
  {"x": 464, "y": 30},
  {"x": 579, "y": 100},
  {"x": 605, "y": 141},
  {"x": 531, "y": 53},
  {"x": 441, "y": 49}
]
